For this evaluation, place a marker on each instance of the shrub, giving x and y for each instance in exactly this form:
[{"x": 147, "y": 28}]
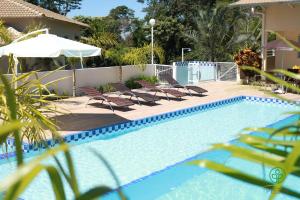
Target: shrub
[
  {"x": 52, "y": 95},
  {"x": 106, "y": 88},
  {"x": 133, "y": 85},
  {"x": 247, "y": 57}
]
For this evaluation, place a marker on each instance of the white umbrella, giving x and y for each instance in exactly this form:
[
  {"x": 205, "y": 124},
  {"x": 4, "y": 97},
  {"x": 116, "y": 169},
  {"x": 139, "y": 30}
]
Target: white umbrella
[{"x": 50, "y": 46}]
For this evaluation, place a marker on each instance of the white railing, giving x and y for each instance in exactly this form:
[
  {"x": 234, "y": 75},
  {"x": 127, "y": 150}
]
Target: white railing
[
  {"x": 197, "y": 71},
  {"x": 161, "y": 70},
  {"x": 226, "y": 71}
]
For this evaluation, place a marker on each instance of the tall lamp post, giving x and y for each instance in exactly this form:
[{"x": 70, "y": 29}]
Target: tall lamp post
[
  {"x": 152, "y": 23},
  {"x": 182, "y": 53}
]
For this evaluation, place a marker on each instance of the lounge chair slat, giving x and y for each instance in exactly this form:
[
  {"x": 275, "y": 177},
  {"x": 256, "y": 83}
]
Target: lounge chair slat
[
  {"x": 176, "y": 84},
  {"x": 120, "y": 87},
  {"x": 94, "y": 94},
  {"x": 154, "y": 88}
]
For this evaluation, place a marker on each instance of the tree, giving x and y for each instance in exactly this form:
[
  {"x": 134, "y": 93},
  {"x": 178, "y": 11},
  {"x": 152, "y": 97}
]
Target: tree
[
  {"x": 5, "y": 36},
  {"x": 104, "y": 33},
  {"x": 103, "y": 40},
  {"x": 62, "y": 7},
  {"x": 115, "y": 34},
  {"x": 182, "y": 10},
  {"x": 124, "y": 16},
  {"x": 174, "y": 18},
  {"x": 99, "y": 24},
  {"x": 23, "y": 115},
  {"x": 169, "y": 33},
  {"x": 218, "y": 33},
  {"x": 138, "y": 56}
]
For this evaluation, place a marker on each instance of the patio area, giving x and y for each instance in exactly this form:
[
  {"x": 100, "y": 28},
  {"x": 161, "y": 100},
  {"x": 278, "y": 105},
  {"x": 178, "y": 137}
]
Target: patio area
[{"x": 79, "y": 117}]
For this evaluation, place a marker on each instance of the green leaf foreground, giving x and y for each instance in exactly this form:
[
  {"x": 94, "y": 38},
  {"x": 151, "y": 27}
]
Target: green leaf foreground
[
  {"x": 281, "y": 148},
  {"x": 95, "y": 192},
  {"x": 15, "y": 184},
  {"x": 24, "y": 169},
  {"x": 239, "y": 175},
  {"x": 112, "y": 173},
  {"x": 7, "y": 129},
  {"x": 12, "y": 115},
  {"x": 28, "y": 105},
  {"x": 275, "y": 79},
  {"x": 17, "y": 189}
]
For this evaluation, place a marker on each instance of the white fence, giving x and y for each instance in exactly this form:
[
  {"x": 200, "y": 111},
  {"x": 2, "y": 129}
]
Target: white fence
[
  {"x": 103, "y": 75},
  {"x": 193, "y": 72},
  {"x": 227, "y": 71},
  {"x": 162, "y": 70},
  {"x": 92, "y": 77}
]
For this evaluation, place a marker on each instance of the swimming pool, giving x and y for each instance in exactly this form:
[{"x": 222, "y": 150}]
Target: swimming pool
[
  {"x": 150, "y": 145},
  {"x": 183, "y": 181}
]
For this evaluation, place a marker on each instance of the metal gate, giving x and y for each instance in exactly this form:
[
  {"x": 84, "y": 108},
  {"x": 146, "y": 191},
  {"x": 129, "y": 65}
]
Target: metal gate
[
  {"x": 226, "y": 71},
  {"x": 162, "y": 70},
  {"x": 193, "y": 72}
]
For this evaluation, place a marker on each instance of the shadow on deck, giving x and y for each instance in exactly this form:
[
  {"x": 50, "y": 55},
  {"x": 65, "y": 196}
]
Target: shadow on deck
[{"x": 84, "y": 121}]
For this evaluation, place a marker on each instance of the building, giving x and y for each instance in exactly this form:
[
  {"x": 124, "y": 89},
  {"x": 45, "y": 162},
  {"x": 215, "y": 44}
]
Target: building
[
  {"x": 282, "y": 16},
  {"x": 20, "y": 14}
]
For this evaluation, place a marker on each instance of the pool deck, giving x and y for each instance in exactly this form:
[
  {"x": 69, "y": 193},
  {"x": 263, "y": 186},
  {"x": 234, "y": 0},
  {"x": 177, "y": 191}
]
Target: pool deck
[{"x": 79, "y": 117}]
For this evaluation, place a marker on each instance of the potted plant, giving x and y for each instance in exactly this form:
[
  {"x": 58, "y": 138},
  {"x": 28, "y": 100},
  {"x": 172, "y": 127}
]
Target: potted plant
[{"x": 247, "y": 57}]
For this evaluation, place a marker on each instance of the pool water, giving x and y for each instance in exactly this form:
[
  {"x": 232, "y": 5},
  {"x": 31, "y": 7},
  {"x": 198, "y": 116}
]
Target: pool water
[
  {"x": 147, "y": 150},
  {"x": 183, "y": 181}
]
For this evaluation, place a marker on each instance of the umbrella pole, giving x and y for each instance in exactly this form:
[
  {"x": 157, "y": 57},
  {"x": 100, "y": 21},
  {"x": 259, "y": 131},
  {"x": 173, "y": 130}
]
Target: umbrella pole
[
  {"x": 281, "y": 89},
  {"x": 74, "y": 77},
  {"x": 81, "y": 62},
  {"x": 74, "y": 82},
  {"x": 282, "y": 67},
  {"x": 16, "y": 62}
]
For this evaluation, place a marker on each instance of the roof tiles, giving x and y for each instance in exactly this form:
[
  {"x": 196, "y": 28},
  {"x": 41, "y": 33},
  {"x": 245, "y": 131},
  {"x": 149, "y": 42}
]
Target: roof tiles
[{"x": 20, "y": 8}]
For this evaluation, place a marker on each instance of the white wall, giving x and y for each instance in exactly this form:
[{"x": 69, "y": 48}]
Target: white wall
[
  {"x": 96, "y": 76},
  {"x": 130, "y": 71},
  {"x": 92, "y": 77},
  {"x": 64, "y": 81},
  {"x": 284, "y": 19}
]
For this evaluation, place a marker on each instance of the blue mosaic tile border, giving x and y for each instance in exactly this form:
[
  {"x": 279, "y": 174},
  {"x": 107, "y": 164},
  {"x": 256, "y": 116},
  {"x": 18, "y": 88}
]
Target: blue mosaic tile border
[
  {"x": 271, "y": 101},
  {"x": 114, "y": 129},
  {"x": 121, "y": 128},
  {"x": 202, "y": 63}
]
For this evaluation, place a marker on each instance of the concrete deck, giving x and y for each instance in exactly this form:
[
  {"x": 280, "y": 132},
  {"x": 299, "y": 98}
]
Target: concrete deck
[{"x": 81, "y": 117}]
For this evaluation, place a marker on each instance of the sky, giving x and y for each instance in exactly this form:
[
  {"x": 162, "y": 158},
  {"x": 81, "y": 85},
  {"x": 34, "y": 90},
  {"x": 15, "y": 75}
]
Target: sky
[{"x": 102, "y": 7}]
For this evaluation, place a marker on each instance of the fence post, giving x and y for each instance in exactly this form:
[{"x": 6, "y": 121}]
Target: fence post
[
  {"x": 216, "y": 71},
  {"x": 155, "y": 70},
  {"x": 238, "y": 77},
  {"x": 174, "y": 70}
]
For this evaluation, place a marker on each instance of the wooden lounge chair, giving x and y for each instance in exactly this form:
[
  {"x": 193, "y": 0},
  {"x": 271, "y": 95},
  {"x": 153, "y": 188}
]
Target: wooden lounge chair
[
  {"x": 95, "y": 95},
  {"x": 189, "y": 88},
  {"x": 156, "y": 89},
  {"x": 120, "y": 87}
]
